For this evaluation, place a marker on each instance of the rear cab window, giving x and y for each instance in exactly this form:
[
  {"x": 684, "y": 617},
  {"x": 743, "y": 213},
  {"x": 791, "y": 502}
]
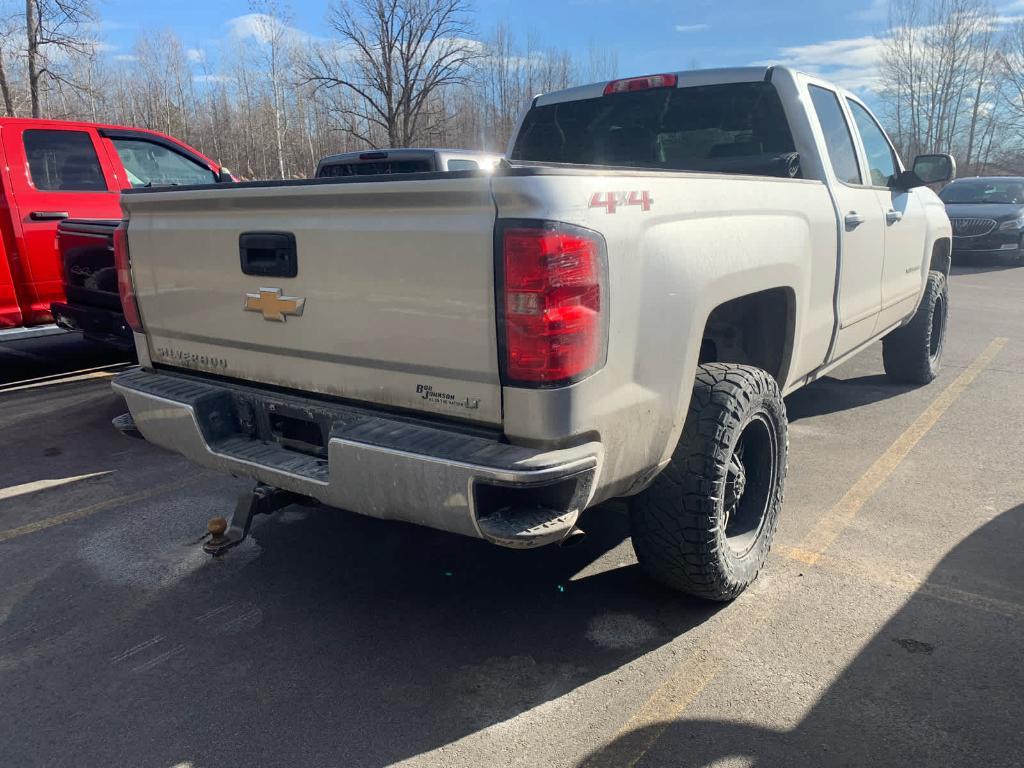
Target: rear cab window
[
  {"x": 725, "y": 128},
  {"x": 149, "y": 164},
  {"x": 463, "y": 165},
  {"x": 64, "y": 161}
]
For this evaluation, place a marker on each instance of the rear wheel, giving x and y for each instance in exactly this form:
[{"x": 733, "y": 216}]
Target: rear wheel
[
  {"x": 912, "y": 354},
  {"x": 705, "y": 525}
]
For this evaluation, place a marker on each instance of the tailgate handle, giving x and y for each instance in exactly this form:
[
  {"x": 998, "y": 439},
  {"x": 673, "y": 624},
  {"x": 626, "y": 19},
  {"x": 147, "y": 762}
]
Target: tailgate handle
[{"x": 268, "y": 254}]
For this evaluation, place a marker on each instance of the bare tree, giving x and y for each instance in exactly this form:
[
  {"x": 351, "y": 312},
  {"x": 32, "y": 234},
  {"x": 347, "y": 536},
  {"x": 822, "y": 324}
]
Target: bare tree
[
  {"x": 939, "y": 79},
  {"x": 393, "y": 57},
  {"x": 1011, "y": 66},
  {"x": 272, "y": 22},
  {"x": 8, "y": 34},
  {"x": 54, "y": 30}
]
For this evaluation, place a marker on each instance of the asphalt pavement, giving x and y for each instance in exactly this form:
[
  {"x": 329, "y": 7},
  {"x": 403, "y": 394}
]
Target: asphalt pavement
[{"x": 886, "y": 630}]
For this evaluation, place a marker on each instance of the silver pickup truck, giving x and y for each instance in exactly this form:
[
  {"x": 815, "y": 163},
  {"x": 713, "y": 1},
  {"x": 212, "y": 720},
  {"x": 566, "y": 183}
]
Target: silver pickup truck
[{"x": 617, "y": 311}]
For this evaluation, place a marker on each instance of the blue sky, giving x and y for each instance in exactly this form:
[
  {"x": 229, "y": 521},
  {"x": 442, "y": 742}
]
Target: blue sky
[{"x": 836, "y": 39}]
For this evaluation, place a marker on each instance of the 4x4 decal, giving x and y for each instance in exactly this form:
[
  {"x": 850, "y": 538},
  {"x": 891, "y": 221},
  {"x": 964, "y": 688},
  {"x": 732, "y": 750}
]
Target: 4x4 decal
[{"x": 612, "y": 201}]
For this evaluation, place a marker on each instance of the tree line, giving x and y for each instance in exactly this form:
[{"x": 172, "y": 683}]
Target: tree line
[
  {"x": 382, "y": 73},
  {"x": 274, "y": 100},
  {"x": 952, "y": 80}
]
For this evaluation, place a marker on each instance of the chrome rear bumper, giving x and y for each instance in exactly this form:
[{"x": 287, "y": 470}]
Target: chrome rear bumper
[{"x": 376, "y": 464}]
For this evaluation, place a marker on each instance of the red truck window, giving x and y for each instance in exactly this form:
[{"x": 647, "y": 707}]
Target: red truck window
[
  {"x": 63, "y": 161},
  {"x": 150, "y": 165}
]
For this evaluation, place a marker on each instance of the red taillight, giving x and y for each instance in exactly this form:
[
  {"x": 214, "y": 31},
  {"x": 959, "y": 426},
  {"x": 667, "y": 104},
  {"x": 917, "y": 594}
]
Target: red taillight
[
  {"x": 554, "y": 304},
  {"x": 640, "y": 84},
  {"x": 125, "y": 287}
]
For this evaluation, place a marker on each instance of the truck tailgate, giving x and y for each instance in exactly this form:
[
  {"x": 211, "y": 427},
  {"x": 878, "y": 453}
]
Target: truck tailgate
[{"x": 394, "y": 282}]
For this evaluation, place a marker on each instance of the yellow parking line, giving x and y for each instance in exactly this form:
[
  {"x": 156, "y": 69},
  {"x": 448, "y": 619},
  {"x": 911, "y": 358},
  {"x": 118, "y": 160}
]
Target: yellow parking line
[
  {"x": 41, "y": 485},
  {"x": 78, "y": 514},
  {"x": 904, "y": 582},
  {"x": 692, "y": 675},
  {"x": 821, "y": 536}
]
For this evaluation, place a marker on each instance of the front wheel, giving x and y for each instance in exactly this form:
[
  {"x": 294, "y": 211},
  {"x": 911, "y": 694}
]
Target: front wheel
[
  {"x": 705, "y": 525},
  {"x": 911, "y": 354}
]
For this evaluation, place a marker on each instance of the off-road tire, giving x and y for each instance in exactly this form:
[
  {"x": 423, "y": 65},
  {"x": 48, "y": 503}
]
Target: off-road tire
[
  {"x": 912, "y": 354},
  {"x": 678, "y": 523}
]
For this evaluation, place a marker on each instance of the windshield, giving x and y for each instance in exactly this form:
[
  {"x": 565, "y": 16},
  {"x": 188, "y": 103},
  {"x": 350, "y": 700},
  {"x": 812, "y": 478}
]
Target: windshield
[
  {"x": 735, "y": 127},
  {"x": 1007, "y": 191}
]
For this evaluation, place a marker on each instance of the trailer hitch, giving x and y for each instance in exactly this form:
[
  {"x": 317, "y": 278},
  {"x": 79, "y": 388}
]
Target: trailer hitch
[{"x": 262, "y": 500}]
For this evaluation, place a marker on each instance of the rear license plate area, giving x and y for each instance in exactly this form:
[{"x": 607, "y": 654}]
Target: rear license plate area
[{"x": 297, "y": 433}]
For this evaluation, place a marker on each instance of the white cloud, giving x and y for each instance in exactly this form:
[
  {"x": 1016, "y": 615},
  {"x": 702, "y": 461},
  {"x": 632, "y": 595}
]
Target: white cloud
[
  {"x": 98, "y": 46},
  {"x": 877, "y": 10},
  {"x": 851, "y": 62},
  {"x": 259, "y": 27},
  {"x": 126, "y": 57},
  {"x": 212, "y": 79},
  {"x": 692, "y": 27},
  {"x": 195, "y": 55}
]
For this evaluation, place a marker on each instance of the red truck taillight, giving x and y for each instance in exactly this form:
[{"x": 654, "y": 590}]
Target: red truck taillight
[
  {"x": 554, "y": 307},
  {"x": 125, "y": 286}
]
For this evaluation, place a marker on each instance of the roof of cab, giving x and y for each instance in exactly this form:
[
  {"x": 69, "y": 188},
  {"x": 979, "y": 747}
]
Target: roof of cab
[{"x": 686, "y": 78}]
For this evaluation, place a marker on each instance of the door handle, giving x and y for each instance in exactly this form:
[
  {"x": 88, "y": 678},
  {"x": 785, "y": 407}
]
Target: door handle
[
  {"x": 854, "y": 220},
  {"x": 892, "y": 216},
  {"x": 48, "y": 215}
]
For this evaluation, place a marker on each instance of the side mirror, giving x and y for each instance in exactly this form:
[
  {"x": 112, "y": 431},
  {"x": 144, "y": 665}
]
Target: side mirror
[
  {"x": 225, "y": 177},
  {"x": 929, "y": 169}
]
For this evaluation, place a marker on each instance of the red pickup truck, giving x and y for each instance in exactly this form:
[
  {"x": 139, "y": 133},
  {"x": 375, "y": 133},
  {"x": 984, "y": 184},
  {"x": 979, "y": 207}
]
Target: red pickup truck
[{"x": 52, "y": 170}]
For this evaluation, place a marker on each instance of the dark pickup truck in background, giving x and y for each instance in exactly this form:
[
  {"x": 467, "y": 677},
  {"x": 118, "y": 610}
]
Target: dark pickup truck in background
[{"x": 93, "y": 305}]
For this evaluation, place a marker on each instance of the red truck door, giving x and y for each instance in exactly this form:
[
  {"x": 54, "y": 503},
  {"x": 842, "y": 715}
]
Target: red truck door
[
  {"x": 55, "y": 173},
  {"x": 10, "y": 312}
]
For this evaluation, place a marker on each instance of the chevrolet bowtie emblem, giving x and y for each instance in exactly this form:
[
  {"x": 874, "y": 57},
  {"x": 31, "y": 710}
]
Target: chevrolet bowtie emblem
[{"x": 273, "y": 305}]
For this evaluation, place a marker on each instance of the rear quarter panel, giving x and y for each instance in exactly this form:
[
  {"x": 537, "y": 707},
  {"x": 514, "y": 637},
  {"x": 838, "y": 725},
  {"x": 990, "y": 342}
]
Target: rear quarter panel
[{"x": 706, "y": 239}]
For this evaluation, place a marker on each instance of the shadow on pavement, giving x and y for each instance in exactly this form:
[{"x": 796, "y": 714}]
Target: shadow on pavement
[
  {"x": 30, "y": 359},
  {"x": 940, "y": 685},
  {"x": 343, "y": 641},
  {"x": 831, "y": 395},
  {"x": 969, "y": 265}
]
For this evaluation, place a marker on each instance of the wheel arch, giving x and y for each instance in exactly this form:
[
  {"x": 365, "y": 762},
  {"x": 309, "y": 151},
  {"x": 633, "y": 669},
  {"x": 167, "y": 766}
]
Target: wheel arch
[
  {"x": 757, "y": 328},
  {"x": 942, "y": 256}
]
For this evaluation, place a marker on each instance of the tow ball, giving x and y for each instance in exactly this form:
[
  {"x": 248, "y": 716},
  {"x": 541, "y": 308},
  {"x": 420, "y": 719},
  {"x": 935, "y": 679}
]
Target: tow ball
[{"x": 262, "y": 500}]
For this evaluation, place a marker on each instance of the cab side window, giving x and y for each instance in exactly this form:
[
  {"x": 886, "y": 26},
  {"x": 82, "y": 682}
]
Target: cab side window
[
  {"x": 63, "y": 161},
  {"x": 881, "y": 160},
  {"x": 838, "y": 140},
  {"x": 463, "y": 165},
  {"x": 151, "y": 165}
]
